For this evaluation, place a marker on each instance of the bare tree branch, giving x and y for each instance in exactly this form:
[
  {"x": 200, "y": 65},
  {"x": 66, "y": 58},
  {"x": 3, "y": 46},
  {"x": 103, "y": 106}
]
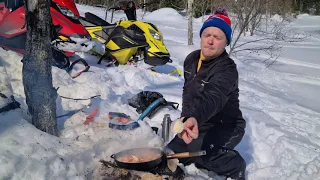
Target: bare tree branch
[{"x": 248, "y": 42}]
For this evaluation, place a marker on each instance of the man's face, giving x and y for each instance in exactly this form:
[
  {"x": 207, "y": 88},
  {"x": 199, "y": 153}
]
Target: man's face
[{"x": 213, "y": 42}]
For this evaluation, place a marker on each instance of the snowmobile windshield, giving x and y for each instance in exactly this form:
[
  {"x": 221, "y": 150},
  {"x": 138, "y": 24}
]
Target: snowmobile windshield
[{"x": 68, "y": 7}]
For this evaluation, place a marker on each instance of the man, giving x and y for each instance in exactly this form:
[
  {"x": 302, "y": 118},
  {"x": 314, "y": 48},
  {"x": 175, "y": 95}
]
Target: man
[
  {"x": 130, "y": 11},
  {"x": 213, "y": 120}
]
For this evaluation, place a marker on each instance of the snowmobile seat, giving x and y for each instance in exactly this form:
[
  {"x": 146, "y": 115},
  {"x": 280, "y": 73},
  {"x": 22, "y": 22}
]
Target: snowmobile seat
[{"x": 96, "y": 20}]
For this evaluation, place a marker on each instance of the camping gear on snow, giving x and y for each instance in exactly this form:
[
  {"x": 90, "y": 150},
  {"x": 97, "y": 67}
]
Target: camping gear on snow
[
  {"x": 61, "y": 61},
  {"x": 155, "y": 129},
  {"x": 128, "y": 40},
  {"x": 90, "y": 117},
  {"x": 143, "y": 99},
  {"x": 166, "y": 124},
  {"x": 121, "y": 121},
  {"x": 146, "y": 159},
  {"x": 171, "y": 70},
  {"x": 128, "y": 124}
]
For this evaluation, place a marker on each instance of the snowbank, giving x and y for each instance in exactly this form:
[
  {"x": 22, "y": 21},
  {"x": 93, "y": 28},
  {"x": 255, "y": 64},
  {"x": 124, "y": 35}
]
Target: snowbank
[
  {"x": 303, "y": 15},
  {"x": 164, "y": 14},
  {"x": 279, "y": 103},
  {"x": 277, "y": 18},
  {"x": 201, "y": 19}
]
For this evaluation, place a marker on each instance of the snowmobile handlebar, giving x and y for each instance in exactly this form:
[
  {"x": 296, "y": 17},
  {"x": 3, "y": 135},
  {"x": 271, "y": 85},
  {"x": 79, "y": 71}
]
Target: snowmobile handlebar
[
  {"x": 129, "y": 8},
  {"x": 122, "y": 8},
  {"x": 114, "y": 8}
]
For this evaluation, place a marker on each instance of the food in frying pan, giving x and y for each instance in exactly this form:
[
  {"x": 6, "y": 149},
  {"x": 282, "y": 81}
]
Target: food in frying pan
[{"x": 140, "y": 158}]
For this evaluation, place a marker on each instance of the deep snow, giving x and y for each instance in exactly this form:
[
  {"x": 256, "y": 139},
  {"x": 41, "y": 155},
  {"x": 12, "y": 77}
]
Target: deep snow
[{"x": 280, "y": 104}]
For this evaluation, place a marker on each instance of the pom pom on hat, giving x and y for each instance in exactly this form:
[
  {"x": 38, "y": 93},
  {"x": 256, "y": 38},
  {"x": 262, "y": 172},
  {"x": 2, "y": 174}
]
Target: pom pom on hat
[
  {"x": 221, "y": 20},
  {"x": 222, "y": 11}
]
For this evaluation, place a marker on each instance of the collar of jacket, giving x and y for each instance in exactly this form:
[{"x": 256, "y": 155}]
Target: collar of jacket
[{"x": 201, "y": 60}]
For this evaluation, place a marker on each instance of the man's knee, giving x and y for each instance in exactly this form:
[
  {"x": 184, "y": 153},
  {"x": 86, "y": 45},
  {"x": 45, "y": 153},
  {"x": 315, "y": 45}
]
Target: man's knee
[{"x": 226, "y": 162}]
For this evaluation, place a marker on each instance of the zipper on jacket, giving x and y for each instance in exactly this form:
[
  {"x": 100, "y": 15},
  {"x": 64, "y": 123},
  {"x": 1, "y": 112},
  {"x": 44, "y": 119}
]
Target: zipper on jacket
[
  {"x": 187, "y": 72},
  {"x": 190, "y": 74},
  {"x": 194, "y": 76}
]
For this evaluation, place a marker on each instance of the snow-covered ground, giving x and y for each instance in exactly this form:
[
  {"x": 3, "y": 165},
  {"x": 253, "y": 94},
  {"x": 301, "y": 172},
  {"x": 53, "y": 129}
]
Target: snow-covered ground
[{"x": 280, "y": 104}]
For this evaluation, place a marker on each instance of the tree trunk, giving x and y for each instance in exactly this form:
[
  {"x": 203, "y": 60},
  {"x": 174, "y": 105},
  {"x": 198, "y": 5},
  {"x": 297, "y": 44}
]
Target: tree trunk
[
  {"x": 190, "y": 28},
  {"x": 37, "y": 77},
  {"x": 300, "y": 6},
  {"x": 144, "y": 8}
]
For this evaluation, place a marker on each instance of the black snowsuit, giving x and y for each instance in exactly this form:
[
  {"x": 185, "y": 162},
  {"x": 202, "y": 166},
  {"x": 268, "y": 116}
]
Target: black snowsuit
[
  {"x": 130, "y": 11},
  {"x": 211, "y": 95}
]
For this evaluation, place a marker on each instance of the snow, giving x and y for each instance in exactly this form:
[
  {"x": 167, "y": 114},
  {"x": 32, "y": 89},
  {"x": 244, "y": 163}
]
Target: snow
[
  {"x": 164, "y": 14},
  {"x": 277, "y": 18},
  {"x": 280, "y": 104},
  {"x": 5, "y": 87}
]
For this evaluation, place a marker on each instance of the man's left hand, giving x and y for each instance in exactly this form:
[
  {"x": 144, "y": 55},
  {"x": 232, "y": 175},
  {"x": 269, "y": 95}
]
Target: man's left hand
[{"x": 190, "y": 131}]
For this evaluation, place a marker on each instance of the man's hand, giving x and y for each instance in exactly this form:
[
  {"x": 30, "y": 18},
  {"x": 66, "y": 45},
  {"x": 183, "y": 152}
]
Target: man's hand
[{"x": 190, "y": 131}]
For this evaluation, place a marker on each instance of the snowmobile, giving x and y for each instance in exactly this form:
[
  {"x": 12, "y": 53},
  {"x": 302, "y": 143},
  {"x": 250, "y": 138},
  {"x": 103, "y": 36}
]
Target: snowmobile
[
  {"x": 65, "y": 18},
  {"x": 128, "y": 40}
]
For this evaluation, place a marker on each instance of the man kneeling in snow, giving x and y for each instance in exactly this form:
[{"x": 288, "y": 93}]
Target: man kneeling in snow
[{"x": 212, "y": 118}]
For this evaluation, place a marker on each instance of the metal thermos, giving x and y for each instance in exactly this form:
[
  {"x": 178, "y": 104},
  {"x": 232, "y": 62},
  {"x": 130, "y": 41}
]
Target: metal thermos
[{"x": 166, "y": 124}]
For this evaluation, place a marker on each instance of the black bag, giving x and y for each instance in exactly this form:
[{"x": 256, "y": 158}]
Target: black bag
[
  {"x": 142, "y": 100},
  {"x": 10, "y": 106}
]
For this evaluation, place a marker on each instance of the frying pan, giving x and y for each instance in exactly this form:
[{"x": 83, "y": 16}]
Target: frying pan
[{"x": 155, "y": 159}]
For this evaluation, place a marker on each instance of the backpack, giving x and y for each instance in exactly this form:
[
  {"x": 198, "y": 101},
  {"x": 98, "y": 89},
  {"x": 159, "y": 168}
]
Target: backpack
[{"x": 142, "y": 100}]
